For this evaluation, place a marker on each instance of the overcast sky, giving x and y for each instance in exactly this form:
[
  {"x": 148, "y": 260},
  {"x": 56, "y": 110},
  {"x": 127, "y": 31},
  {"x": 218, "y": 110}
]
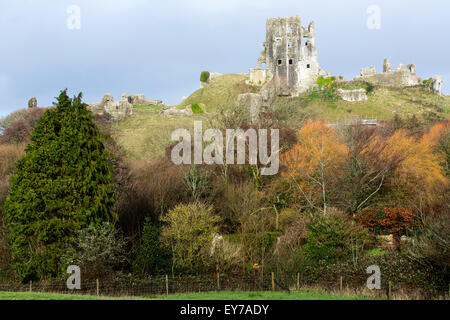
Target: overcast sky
[{"x": 159, "y": 47}]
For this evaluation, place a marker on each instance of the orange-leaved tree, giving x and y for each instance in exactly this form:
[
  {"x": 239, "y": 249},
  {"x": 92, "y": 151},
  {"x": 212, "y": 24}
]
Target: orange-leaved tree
[{"x": 315, "y": 162}]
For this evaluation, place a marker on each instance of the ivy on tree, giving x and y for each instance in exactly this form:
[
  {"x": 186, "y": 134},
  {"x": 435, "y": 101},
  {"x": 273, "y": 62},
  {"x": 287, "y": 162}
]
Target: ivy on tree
[{"x": 63, "y": 184}]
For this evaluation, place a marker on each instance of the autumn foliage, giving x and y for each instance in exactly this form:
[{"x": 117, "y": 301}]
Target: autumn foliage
[
  {"x": 368, "y": 169},
  {"x": 315, "y": 161}
]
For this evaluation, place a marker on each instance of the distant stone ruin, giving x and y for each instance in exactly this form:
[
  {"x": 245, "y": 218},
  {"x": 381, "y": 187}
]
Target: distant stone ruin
[
  {"x": 32, "y": 103},
  {"x": 403, "y": 76},
  {"x": 139, "y": 99},
  {"x": 436, "y": 85},
  {"x": 119, "y": 110}
]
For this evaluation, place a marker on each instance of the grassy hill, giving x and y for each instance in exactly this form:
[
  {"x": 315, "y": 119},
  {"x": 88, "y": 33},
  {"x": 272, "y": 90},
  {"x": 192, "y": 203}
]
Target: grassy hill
[
  {"x": 221, "y": 91},
  {"x": 146, "y": 133},
  {"x": 383, "y": 103}
]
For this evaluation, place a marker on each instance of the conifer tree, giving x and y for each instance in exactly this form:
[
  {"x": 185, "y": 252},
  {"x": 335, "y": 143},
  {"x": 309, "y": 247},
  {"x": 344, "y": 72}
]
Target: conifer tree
[{"x": 63, "y": 183}]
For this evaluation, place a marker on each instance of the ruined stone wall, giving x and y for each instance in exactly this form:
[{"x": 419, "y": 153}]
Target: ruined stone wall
[
  {"x": 404, "y": 76},
  {"x": 352, "y": 95},
  {"x": 258, "y": 76},
  {"x": 436, "y": 85},
  {"x": 139, "y": 99},
  {"x": 119, "y": 110}
]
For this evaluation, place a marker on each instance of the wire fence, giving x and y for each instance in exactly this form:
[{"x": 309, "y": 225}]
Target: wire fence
[{"x": 163, "y": 285}]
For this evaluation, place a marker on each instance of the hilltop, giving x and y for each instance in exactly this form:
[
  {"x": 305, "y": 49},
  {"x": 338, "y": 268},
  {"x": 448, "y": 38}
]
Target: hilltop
[
  {"x": 146, "y": 133},
  {"x": 383, "y": 103}
]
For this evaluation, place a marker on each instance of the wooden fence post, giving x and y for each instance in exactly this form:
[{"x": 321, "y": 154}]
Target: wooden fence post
[
  {"x": 218, "y": 281},
  {"x": 167, "y": 284},
  {"x": 390, "y": 291},
  {"x": 340, "y": 284},
  {"x": 98, "y": 287},
  {"x": 298, "y": 281},
  {"x": 31, "y": 285},
  {"x": 273, "y": 282}
]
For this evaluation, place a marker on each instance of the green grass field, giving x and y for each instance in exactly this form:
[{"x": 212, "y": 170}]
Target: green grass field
[
  {"x": 296, "y": 295},
  {"x": 48, "y": 296},
  {"x": 301, "y": 295}
]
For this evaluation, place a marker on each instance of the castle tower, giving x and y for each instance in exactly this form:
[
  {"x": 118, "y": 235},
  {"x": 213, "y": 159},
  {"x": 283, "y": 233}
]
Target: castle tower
[{"x": 290, "y": 55}]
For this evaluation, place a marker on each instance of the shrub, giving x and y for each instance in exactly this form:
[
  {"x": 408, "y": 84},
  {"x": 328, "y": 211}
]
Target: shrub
[
  {"x": 395, "y": 221},
  {"x": 189, "y": 233},
  {"x": 62, "y": 184},
  {"x": 326, "y": 82},
  {"x": 333, "y": 237},
  {"x": 235, "y": 202},
  {"x": 13, "y": 117},
  {"x": 197, "y": 109},
  {"x": 98, "y": 251},
  {"x": 151, "y": 257},
  {"x": 204, "y": 76},
  {"x": 147, "y": 190},
  {"x": 18, "y": 128},
  {"x": 430, "y": 245},
  {"x": 427, "y": 83},
  {"x": 196, "y": 183},
  {"x": 369, "y": 87},
  {"x": 9, "y": 154}
]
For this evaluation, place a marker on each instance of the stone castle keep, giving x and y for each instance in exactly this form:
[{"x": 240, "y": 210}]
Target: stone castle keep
[
  {"x": 290, "y": 57},
  {"x": 291, "y": 64}
]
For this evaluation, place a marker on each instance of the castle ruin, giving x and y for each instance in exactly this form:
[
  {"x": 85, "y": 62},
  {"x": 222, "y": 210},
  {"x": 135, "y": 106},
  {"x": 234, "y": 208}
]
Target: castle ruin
[
  {"x": 290, "y": 57},
  {"x": 403, "y": 76}
]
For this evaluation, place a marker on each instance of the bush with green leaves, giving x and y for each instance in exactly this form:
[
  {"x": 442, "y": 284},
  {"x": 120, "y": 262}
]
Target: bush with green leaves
[
  {"x": 196, "y": 183},
  {"x": 326, "y": 82},
  {"x": 204, "y": 76},
  {"x": 151, "y": 257},
  {"x": 63, "y": 184},
  {"x": 98, "y": 251},
  {"x": 427, "y": 83},
  {"x": 197, "y": 109},
  {"x": 334, "y": 237},
  {"x": 189, "y": 233},
  {"x": 369, "y": 87}
]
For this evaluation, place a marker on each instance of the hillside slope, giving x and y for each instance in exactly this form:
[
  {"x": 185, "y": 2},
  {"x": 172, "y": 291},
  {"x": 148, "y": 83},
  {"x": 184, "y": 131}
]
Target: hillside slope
[
  {"x": 383, "y": 103},
  {"x": 220, "y": 91},
  {"x": 147, "y": 133}
]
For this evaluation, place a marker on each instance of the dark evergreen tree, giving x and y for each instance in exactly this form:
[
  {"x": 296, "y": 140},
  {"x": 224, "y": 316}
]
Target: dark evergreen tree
[{"x": 63, "y": 184}]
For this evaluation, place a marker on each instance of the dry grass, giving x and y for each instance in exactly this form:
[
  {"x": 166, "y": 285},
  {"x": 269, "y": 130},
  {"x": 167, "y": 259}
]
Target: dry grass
[
  {"x": 396, "y": 294},
  {"x": 9, "y": 154},
  {"x": 147, "y": 133}
]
